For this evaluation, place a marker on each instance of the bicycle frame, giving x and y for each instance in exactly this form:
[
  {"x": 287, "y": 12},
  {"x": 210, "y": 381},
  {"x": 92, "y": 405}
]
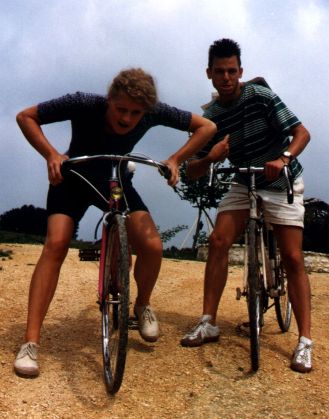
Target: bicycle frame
[
  {"x": 256, "y": 214},
  {"x": 115, "y": 190},
  {"x": 115, "y": 196}
]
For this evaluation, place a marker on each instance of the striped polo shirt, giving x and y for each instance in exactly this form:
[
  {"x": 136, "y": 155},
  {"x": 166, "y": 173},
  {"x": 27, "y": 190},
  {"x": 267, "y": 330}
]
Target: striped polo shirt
[{"x": 259, "y": 124}]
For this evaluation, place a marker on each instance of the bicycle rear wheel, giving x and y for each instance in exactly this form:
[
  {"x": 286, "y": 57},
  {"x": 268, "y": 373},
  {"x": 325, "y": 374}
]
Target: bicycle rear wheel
[
  {"x": 255, "y": 293},
  {"x": 115, "y": 303}
]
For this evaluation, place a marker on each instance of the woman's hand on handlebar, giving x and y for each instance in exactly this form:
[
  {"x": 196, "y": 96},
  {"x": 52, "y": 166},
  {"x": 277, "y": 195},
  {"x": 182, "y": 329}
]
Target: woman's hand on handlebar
[
  {"x": 54, "y": 163},
  {"x": 174, "y": 171}
]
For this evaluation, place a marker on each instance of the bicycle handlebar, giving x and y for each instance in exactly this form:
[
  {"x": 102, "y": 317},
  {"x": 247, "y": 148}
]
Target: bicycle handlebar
[
  {"x": 253, "y": 169},
  {"x": 163, "y": 169}
]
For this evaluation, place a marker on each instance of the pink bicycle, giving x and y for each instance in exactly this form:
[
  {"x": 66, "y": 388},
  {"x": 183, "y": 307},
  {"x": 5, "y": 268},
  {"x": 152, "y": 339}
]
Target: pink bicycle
[{"x": 115, "y": 261}]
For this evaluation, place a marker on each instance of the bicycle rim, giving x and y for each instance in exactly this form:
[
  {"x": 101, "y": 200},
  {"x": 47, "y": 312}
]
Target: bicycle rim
[
  {"x": 254, "y": 295},
  {"x": 115, "y": 304},
  {"x": 281, "y": 302}
]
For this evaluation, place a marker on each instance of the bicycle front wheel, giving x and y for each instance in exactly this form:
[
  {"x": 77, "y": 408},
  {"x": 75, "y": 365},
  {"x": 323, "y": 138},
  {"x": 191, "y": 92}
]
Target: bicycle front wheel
[
  {"x": 254, "y": 293},
  {"x": 115, "y": 303}
]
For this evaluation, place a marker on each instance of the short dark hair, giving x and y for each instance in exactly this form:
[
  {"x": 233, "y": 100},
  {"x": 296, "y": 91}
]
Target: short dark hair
[{"x": 224, "y": 48}]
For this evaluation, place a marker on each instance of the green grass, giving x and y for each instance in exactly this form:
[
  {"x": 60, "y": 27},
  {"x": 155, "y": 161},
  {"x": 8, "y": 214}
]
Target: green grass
[{"x": 21, "y": 238}]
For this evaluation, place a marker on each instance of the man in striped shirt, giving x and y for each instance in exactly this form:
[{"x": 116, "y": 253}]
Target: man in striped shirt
[{"x": 254, "y": 128}]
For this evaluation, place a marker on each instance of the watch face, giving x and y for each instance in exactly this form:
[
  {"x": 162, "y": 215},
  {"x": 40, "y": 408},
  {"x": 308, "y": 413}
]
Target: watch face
[{"x": 287, "y": 154}]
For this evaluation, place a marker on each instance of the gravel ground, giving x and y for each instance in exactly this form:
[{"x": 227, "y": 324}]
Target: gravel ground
[{"x": 162, "y": 380}]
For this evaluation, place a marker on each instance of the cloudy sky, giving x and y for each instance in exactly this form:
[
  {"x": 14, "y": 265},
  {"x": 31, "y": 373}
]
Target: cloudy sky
[{"x": 49, "y": 48}]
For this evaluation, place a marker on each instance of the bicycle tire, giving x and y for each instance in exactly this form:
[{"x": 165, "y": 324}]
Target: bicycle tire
[
  {"x": 282, "y": 302},
  {"x": 255, "y": 293},
  {"x": 115, "y": 304}
]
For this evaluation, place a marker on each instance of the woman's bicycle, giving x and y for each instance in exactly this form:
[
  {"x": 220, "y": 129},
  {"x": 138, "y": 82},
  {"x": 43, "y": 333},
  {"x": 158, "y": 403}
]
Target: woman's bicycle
[
  {"x": 264, "y": 280},
  {"x": 115, "y": 262}
]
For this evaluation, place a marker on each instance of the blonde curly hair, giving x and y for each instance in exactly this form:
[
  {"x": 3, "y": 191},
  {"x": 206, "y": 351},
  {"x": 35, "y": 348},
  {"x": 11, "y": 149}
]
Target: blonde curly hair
[{"x": 137, "y": 84}]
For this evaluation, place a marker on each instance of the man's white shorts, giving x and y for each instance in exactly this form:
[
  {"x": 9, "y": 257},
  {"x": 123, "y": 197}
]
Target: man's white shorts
[{"x": 275, "y": 205}]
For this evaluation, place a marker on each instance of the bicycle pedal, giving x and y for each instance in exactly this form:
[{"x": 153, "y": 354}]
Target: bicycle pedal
[
  {"x": 243, "y": 329},
  {"x": 273, "y": 293},
  {"x": 133, "y": 323}
]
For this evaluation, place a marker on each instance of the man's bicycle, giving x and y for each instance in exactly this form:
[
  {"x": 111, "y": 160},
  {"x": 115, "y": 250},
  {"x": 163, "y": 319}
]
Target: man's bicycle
[
  {"x": 264, "y": 281},
  {"x": 115, "y": 261}
]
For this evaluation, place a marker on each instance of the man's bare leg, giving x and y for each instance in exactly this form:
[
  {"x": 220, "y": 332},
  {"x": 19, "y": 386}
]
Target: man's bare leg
[
  {"x": 290, "y": 243},
  {"x": 229, "y": 225}
]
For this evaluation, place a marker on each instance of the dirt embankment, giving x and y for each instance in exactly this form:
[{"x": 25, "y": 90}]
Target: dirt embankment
[{"x": 162, "y": 380}]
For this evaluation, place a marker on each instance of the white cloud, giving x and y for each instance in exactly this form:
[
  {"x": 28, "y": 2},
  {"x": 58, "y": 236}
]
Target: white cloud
[{"x": 311, "y": 20}]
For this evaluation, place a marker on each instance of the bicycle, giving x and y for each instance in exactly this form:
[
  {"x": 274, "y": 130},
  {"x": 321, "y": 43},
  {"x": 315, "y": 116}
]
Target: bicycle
[
  {"x": 264, "y": 276},
  {"x": 114, "y": 265}
]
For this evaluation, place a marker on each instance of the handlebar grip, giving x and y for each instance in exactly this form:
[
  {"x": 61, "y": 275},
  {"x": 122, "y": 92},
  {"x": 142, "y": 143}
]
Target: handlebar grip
[
  {"x": 165, "y": 171},
  {"x": 290, "y": 191},
  {"x": 211, "y": 174},
  {"x": 290, "y": 198},
  {"x": 64, "y": 168}
]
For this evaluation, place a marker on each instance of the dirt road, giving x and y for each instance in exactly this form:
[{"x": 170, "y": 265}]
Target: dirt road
[{"x": 162, "y": 380}]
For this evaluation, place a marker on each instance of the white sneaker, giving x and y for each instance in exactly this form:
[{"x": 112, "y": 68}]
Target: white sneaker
[
  {"x": 147, "y": 323},
  {"x": 302, "y": 358},
  {"x": 26, "y": 361},
  {"x": 203, "y": 332}
]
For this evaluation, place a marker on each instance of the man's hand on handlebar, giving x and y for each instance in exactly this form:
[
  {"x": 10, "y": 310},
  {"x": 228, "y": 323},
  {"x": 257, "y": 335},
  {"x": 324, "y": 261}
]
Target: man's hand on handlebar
[
  {"x": 273, "y": 169},
  {"x": 54, "y": 163}
]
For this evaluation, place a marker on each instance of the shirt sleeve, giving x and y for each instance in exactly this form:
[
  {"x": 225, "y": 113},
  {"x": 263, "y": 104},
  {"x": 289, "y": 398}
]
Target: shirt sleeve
[
  {"x": 68, "y": 107},
  {"x": 280, "y": 117},
  {"x": 170, "y": 116}
]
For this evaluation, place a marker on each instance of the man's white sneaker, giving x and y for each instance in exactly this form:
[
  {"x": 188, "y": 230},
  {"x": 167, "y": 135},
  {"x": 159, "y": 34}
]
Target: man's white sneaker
[
  {"x": 26, "y": 361},
  {"x": 147, "y": 323},
  {"x": 203, "y": 332},
  {"x": 302, "y": 358}
]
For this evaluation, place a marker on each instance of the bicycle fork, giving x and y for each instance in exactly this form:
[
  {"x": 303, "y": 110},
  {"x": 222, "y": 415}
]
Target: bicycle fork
[{"x": 263, "y": 265}]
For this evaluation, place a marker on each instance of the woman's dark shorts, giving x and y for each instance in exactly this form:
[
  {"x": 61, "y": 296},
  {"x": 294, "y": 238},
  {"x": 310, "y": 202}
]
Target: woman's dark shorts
[{"x": 72, "y": 197}]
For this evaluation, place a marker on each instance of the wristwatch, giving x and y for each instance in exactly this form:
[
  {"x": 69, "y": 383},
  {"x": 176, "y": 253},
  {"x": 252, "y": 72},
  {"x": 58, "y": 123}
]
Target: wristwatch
[{"x": 288, "y": 155}]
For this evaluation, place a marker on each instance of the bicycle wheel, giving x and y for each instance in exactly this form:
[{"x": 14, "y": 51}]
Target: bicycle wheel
[
  {"x": 255, "y": 293},
  {"x": 115, "y": 304},
  {"x": 282, "y": 303}
]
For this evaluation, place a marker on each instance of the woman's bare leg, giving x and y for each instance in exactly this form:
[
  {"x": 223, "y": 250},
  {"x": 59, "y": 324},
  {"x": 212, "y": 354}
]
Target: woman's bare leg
[{"x": 45, "y": 277}]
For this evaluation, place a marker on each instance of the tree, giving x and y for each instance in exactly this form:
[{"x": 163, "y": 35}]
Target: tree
[
  {"x": 316, "y": 230},
  {"x": 201, "y": 196},
  {"x": 169, "y": 234},
  {"x": 27, "y": 219}
]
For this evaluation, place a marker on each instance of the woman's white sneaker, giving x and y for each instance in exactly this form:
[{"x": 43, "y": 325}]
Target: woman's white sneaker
[
  {"x": 147, "y": 323},
  {"x": 26, "y": 361}
]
